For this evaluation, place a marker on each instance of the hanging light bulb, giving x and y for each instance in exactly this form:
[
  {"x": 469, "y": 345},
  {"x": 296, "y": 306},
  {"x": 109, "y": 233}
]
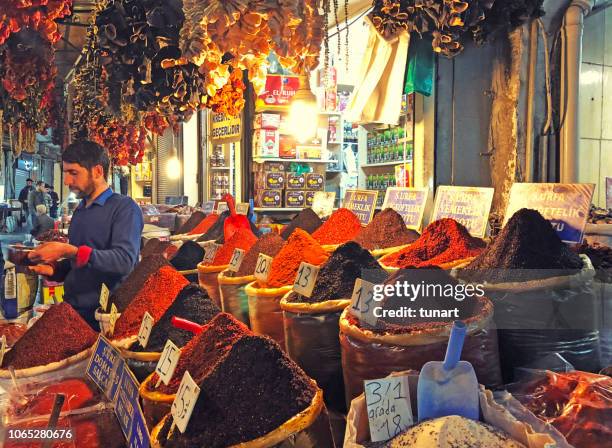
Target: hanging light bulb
[{"x": 303, "y": 115}]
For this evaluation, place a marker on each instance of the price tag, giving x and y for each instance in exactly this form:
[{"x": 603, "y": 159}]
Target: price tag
[
  {"x": 112, "y": 320},
  {"x": 210, "y": 251},
  {"x": 305, "y": 279},
  {"x": 362, "y": 302},
  {"x": 236, "y": 260},
  {"x": 185, "y": 401},
  {"x": 221, "y": 207},
  {"x": 388, "y": 404},
  {"x": 242, "y": 208},
  {"x": 208, "y": 207},
  {"x": 3, "y": 348},
  {"x": 104, "y": 293},
  {"x": 262, "y": 268},
  {"x": 145, "y": 329},
  {"x": 167, "y": 362}
]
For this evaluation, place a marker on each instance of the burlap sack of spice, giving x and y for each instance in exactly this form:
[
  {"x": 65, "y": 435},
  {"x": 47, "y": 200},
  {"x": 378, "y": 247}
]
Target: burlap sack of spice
[
  {"x": 539, "y": 318},
  {"x": 233, "y": 296},
  {"x": 155, "y": 405},
  {"x": 207, "y": 278},
  {"x": 265, "y": 313},
  {"x": 311, "y": 337},
  {"x": 308, "y": 429},
  {"x": 368, "y": 355}
]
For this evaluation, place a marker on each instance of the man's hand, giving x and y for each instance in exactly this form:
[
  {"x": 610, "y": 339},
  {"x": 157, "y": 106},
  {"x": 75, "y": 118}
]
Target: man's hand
[
  {"x": 51, "y": 252},
  {"x": 43, "y": 269}
]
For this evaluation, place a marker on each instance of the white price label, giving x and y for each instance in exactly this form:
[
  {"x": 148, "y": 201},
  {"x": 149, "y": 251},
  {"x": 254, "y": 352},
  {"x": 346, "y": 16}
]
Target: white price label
[
  {"x": 242, "y": 208},
  {"x": 145, "y": 329},
  {"x": 262, "y": 268},
  {"x": 388, "y": 404},
  {"x": 104, "y": 294},
  {"x": 305, "y": 279},
  {"x": 210, "y": 251},
  {"x": 112, "y": 319},
  {"x": 221, "y": 207},
  {"x": 236, "y": 260},
  {"x": 362, "y": 302},
  {"x": 168, "y": 361},
  {"x": 185, "y": 401},
  {"x": 3, "y": 348}
]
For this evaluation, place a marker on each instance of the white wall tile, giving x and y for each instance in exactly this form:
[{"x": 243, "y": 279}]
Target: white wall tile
[
  {"x": 591, "y": 83},
  {"x": 605, "y": 169},
  {"x": 588, "y": 163},
  {"x": 593, "y": 39},
  {"x": 607, "y": 36},
  {"x": 606, "y": 117}
]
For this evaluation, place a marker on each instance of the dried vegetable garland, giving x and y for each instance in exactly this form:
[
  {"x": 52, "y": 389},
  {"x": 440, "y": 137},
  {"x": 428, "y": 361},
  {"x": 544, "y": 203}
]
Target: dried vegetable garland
[{"x": 37, "y": 15}]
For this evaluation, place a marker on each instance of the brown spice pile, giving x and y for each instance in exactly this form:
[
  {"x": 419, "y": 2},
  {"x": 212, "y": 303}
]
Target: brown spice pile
[
  {"x": 306, "y": 220},
  {"x": 269, "y": 244},
  {"x": 387, "y": 229}
]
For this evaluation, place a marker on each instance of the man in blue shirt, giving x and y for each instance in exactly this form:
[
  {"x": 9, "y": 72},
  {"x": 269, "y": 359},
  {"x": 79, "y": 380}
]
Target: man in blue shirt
[{"x": 104, "y": 235}]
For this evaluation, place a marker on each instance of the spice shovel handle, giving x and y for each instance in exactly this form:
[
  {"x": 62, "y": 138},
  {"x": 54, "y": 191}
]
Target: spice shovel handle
[
  {"x": 186, "y": 325},
  {"x": 455, "y": 345},
  {"x": 230, "y": 204}
]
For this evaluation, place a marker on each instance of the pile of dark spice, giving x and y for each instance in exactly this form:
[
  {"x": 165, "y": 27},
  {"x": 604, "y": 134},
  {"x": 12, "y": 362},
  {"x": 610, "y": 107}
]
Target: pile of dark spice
[
  {"x": 124, "y": 295},
  {"x": 387, "y": 229},
  {"x": 254, "y": 384},
  {"x": 204, "y": 350},
  {"x": 188, "y": 256},
  {"x": 527, "y": 248},
  {"x": 195, "y": 219},
  {"x": 337, "y": 276},
  {"x": 52, "y": 235},
  {"x": 601, "y": 257},
  {"x": 443, "y": 241},
  {"x": 155, "y": 297},
  {"x": 269, "y": 244},
  {"x": 306, "y": 220},
  {"x": 153, "y": 247},
  {"x": 59, "y": 333},
  {"x": 192, "y": 304},
  {"x": 216, "y": 230}
]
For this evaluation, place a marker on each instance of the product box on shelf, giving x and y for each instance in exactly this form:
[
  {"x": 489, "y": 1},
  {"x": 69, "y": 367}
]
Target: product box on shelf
[
  {"x": 270, "y": 180},
  {"x": 295, "y": 198},
  {"x": 286, "y": 147},
  {"x": 272, "y": 167},
  {"x": 266, "y": 121},
  {"x": 315, "y": 181},
  {"x": 269, "y": 198},
  {"x": 266, "y": 143},
  {"x": 308, "y": 152},
  {"x": 309, "y": 198},
  {"x": 283, "y": 126},
  {"x": 296, "y": 181}
]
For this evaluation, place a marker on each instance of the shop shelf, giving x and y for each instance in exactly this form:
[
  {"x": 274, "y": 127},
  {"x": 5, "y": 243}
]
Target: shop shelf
[
  {"x": 275, "y": 159},
  {"x": 220, "y": 167},
  {"x": 397, "y": 162}
]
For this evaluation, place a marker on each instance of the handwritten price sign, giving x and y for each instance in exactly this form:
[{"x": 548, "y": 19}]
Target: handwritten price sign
[
  {"x": 167, "y": 362},
  {"x": 362, "y": 302},
  {"x": 145, "y": 329},
  {"x": 262, "y": 268},
  {"x": 185, "y": 401},
  {"x": 306, "y": 279},
  {"x": 388, "y": 404},
  {"x": 236, "y": 260}
]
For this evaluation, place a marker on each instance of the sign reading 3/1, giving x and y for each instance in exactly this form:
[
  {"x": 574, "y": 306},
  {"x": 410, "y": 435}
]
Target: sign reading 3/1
[
  {"x": 236, "y": 260},
  {"x": 388, "y": 405},
  {"x": 306, "y": 279},
  {"x": 185, "y": 401},
  {"x": 262, "y": 268},
  {"x": 167, "y": 362}
]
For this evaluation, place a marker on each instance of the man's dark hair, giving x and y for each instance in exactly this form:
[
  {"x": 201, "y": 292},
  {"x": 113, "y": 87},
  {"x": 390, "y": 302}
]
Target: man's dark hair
[
  {"x": 50, "y": 187},
  {"x": 29, "y": 180},
  {"x": 88, "y": 154},
  {"x": 39, "y": 183}
]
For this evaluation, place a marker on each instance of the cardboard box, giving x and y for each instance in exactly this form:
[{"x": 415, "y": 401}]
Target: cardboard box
[
  {"x": 265, "y": 143},
  {"x": 53, "y": 292},
  {"x": 287, "y": 147},
  {"x": 269, "y": 198},
  {"x": 309, "y": 197},
  {"x": 267, "y": 121},
  {"x": 308, "y": 152},
  {"x": 272, "y": 167},
  {"x": 283, "y": 127},
  {"x": 270, "y": 180},
  {"x": 315, "y": 181},
  {"x": 296, "y": 181},
  {"x": 295, "y": 198}
]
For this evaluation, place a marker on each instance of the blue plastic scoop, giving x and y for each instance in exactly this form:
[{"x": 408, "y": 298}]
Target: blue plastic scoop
[{"x": 449, "y": 387}]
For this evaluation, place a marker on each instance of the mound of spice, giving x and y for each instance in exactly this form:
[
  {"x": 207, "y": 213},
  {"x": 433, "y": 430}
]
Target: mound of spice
[
  {"x": 156, "y": 296},
  {"x": 59, "y": 333},
  {"x": 192, "y": 304},
  {"x": 154, "y": 247},
  {"x": 124, "y": 295},
  {"x": 242, "y": 239},
  {"x": 194, "y": 220},
  {"x": 601, "y": 257},
  {"x": 254, "y": 384},
  {"x": 386, "y": 230},
  {"x": 442, "y": 241},
  {"x": 299, "y": 247},
  {"x": 337, "y": 276},
  {"x": 527, "y": 248},
  {"x": 204, "y": 350},
  {"x": 188, "y": 256},
  {"x": 269, "y": 244},
  {"x": 306, "y": 220},
  {"x": 342, "y": 226},
  {"x": 215, "y": 232},
  {"x": 204, "y": 225}
]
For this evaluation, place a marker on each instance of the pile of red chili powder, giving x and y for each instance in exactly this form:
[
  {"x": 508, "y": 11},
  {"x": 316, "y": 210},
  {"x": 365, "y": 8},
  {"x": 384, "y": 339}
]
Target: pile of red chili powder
[
  {"x": 442, "y": 241},
  {"x": 342, "y": 226},
  {"x": 387, "y": 229},
  {"x": 242, "y": 239},
  {"x": 59, "y": 333},
  {"x": 156, "y": 295},
  {"x": 205, "y": 224},
  {"x": 194, "y": 220},
  {"x": 299, "y": 247}
]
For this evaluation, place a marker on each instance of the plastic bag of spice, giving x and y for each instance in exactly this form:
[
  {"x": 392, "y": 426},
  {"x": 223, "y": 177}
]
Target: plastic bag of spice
[
  {"x": 233, "y": 296},
  {"x": 265, "y": 313}
]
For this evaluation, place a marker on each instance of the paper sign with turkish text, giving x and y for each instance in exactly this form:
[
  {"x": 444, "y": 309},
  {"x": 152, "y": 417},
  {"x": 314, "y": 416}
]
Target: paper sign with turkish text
[
  {"x": 362, "y": 203},
  {"x": 409, "y": 203},
  {"x": 469, "y": 206}
]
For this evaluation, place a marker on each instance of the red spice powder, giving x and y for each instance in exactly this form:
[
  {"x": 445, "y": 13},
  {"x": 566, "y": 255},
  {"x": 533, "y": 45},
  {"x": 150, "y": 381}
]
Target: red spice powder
[
  {"x": 59, "y": 333},
  {"x": 156, "y": 295},
  {"x": 442, "y": 241},
  {"x": 205, "y": 224},
  {"x": 202, "y": 353},
  {"x": 242, "y": 239},
  {"x": 342, "y": 226},
  {"x": 299, "y": 247}
]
